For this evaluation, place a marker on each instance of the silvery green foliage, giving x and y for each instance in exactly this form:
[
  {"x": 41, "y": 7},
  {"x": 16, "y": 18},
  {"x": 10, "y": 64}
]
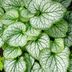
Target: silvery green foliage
[
  {"x": 52, "y": 62},
  {"x": 13, "y": 65},
  {"x": 35, "y": 47},
  {"x": 46, "y": 13},
  {"x": 35, "y": 35}
]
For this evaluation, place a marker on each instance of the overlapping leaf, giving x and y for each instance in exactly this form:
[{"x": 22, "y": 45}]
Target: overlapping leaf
[
  {"x": 12, "y": 52},
  {"x": 14, "y": 65},
  {"x": 41, "y": 42},
  {"x": 15, "y": 34},
  {"x": 52, "y": 62},
  {"x": 57, "y": 45},
  {"x": 46, "y": 13},
  {"x": 25, "y": 15},
  {"x": 59, "y": 29},
  {"x": 29, "y": 62}
]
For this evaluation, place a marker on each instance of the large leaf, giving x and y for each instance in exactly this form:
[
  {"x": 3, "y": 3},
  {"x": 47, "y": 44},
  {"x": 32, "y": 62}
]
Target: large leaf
[
  {"x": 46, "y": 13},
  {"x": 18, "y": 65},
  {"x": 37, "y": 68},
  {"x": 57, "y": 45},
  {"x": 15, "y": 34},
  {"x": 12, "y": 4},
  {"x": 12, "y": 52},
  {"x": 29, "y": 62},
  {"x": 54, "y": 62},
  {"x": 40, "y": 43},
  {"x": 59, "y": 29},
  {"x": 32, "y": 33}
]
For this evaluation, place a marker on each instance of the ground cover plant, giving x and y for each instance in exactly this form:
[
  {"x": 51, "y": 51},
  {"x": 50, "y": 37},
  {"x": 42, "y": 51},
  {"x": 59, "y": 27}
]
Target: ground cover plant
[{"x": 35, "y": 36}]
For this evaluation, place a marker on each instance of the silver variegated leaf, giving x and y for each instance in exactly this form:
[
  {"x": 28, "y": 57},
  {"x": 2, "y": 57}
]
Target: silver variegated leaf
[
  {"x": 15, "y": 34},
  {"x": 46, "y": 13},
  {"x": 12, "y": 52},
  {"x": 14, "y": 65},
  {"x": 52, "y": 62},
  {"x": 40, "y": 43},
  {"x": 59, "y": 29}
]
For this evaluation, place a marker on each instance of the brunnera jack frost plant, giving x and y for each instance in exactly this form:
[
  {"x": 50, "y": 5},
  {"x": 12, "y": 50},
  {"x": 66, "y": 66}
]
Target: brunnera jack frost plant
[{"x": 35, "y": 35}]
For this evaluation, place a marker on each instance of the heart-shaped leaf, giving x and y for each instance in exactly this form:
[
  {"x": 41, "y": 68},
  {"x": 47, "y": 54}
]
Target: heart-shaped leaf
[
  {"x": 15, "y": 34},
  {"x": 14, "y": 65},
  {"x": 12, "y": 52},
  {"x": 40, "y": 43},
  {"x": 57, "y": 45},
  {"x": 46, "y": 13},
  {"x": 59, "y": 29},
  {"x": 52, "y": 62}
]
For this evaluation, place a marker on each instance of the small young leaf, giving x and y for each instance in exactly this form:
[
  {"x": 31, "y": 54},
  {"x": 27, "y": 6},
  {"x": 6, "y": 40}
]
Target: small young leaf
[
  {"x": 46, "y": 13},
  {"x": 11, "y": 14},
  {"x": 12, "y": 52},
  {"x": 34, "y": 47},
  {"x": 15, "y": 34},
  {"x": 59, "y": 29},
  {"x": 32, "y": 33},
  {"x": 54, "y": 62},
  {"x": 14, "y": 65},
  {"x": 25, "y": 15},
  {"x": 58, "y": 45}
]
